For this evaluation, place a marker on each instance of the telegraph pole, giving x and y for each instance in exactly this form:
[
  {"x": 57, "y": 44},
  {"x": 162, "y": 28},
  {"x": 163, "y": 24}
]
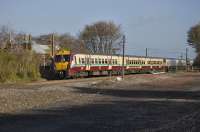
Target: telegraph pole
[
  {"x": 186, "y": 58},
  {"x": 10, "y": 41},
  {"x": 146, "y": 52},
  {"x": 52, "y": 45},
  {"x": 123, "y": 46}
]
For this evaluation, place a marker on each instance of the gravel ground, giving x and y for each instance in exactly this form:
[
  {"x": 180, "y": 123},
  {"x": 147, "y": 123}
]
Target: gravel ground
[{"x": 143, "y": 102}]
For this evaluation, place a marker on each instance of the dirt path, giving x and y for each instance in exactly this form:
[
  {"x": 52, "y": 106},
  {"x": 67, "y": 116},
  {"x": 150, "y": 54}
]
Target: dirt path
[{"x": 165, "y": 102}]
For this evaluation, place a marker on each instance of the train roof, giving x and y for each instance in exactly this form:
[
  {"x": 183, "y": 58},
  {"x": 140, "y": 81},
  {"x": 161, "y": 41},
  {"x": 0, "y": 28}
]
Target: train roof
[
  {"x": 135, "y": 56},
  {"x": 125, "y": 55}
]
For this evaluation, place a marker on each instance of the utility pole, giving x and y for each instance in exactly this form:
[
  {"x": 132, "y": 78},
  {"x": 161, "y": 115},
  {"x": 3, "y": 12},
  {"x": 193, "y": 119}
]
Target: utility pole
[
  {"x": 9, "y": 41},
  {"x": 52, "y": 45},
  {"x": 146, "y": 52},
  {"x": 123, "y": 46},
  {"x": 186, "y": 59}
]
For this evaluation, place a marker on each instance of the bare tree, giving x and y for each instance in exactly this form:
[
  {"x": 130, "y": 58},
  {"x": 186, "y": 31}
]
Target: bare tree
[
  {"x": 43, "y": 39},
  {"x": 64, "y": 41},
  {"x": 101, "y": 37},
  {"x": 68, "y": 41},
  {"x": 4, "y": 36}
]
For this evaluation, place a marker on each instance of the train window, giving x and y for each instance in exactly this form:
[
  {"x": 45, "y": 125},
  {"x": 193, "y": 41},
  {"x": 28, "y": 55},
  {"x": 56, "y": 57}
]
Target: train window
[
  {"x": 106, "y": 61},
  {"x": 113, "y": 61},
  {"x": 79, "y": 60},
  {"x": 102, "y": 61},
  {"x": 92, "y": 60},
  {"x": 116, "y": 61},
  {"x": 99, "y": 61},
  {"x": 82, "y": 60},
  {"x": 96, "y": 61},
  {"x": 66, "y": 57},
  {"x": 87, "y": 60},
  {"x": 58, "y": 58}
]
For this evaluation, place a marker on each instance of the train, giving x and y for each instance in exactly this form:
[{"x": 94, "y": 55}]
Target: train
[{"x": 65, "y": 64}]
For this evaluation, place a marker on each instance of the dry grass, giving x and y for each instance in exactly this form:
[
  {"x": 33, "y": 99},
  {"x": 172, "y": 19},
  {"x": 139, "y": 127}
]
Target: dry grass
[{"x": 16, "y": 67}]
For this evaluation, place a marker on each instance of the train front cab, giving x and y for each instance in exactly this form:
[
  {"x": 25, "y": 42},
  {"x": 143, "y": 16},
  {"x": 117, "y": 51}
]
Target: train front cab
[{"x": 62, "y": 63}]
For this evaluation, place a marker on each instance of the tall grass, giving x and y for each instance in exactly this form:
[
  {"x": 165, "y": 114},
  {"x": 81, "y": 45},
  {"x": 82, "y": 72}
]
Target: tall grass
[{"x": 15, "y": 67}]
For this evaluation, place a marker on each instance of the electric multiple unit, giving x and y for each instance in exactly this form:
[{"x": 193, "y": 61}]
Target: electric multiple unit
[{"x": 75, "y": 65}]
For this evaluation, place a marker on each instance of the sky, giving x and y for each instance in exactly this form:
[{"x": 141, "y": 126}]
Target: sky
[{"x": 159, "y": 25}]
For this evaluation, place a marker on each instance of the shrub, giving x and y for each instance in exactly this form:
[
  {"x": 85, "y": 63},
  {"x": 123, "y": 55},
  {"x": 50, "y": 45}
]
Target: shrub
[{"x": 18, "y": 66}]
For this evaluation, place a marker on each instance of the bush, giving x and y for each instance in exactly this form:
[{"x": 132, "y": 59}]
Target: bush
[{"x": 18, "y": 66}]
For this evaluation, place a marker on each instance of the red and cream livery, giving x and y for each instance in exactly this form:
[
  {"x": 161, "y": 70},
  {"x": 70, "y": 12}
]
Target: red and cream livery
[
  {"x": 75, "y": 65},
  {"x": 87, "y": 64}
]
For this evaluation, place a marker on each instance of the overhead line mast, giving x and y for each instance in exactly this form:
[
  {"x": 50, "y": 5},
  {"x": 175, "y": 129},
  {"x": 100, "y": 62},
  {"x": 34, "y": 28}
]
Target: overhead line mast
[{"x": 123, "y": 48}]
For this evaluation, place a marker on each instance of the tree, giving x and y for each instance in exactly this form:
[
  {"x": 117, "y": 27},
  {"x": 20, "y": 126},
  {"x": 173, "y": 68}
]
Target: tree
[
  {"x": 43, "y": 39},
  {"x": 101, "y": 37},
  {"x": 194, "y": 37},
  {"x": 68, "y": 41},
  {"x": 63, "y": 41},
  {"x": 194, "y": 41}
]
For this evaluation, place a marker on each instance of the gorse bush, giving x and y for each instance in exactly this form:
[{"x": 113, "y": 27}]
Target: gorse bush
[{"x": 18, "y": 66}]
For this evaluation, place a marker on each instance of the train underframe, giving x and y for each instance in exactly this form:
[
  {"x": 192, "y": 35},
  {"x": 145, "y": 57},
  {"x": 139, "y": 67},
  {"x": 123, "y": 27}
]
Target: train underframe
[{"x": 105, "y": 71}]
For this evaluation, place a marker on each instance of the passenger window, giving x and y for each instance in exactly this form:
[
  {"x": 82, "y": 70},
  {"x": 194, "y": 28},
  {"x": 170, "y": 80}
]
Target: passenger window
[
  {"x": 99, "y": 61},
  {"x": 92, "y": 60},
  {"x": 102, "y": 61},
  {"x": 82, "y": 60},
  {"x": 106, "y": 61},
  {"x": 96, "y": 61},
  {"x": 113, "y": 62},
  {"x": 79, "y": 60}
]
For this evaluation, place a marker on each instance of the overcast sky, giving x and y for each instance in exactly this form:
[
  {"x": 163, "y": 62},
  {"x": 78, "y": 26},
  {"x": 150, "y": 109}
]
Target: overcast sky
[{"x": 160, "y": 25}]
